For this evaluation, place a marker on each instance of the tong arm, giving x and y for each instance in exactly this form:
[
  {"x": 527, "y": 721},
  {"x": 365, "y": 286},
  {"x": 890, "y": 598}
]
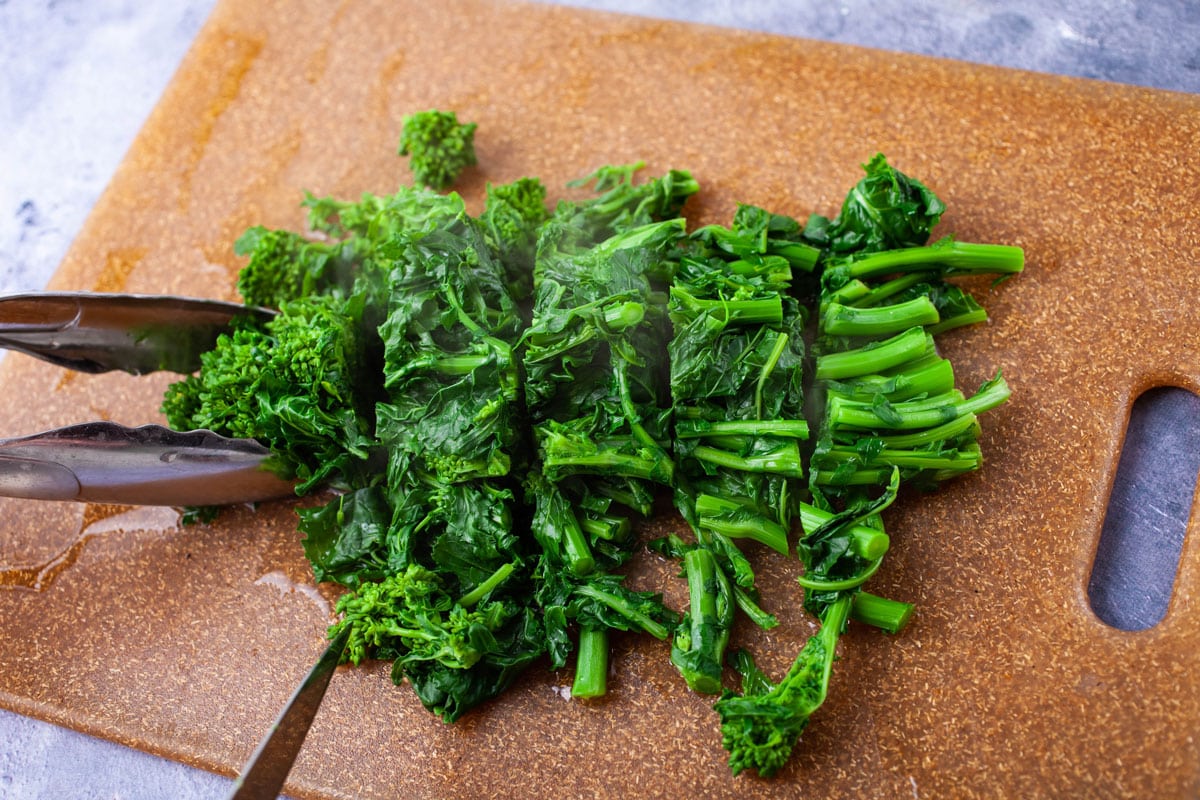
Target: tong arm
[
  {"x": 97, "y": 332},
  {"x": 105, "y": 462}
]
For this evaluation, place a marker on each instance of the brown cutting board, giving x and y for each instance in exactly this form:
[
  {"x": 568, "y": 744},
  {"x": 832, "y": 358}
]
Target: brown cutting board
[{"x": 186, "y": 641}]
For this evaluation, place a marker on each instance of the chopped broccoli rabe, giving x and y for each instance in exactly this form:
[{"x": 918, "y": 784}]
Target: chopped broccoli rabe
[
  {"x": 439, "y": 147},
  {"x": 885, "y": 210},
  {"x": 285, "y": 266},
  {"x": 760, "y": 727},
  {"x": 499, "y": 398},
  {"x": 512, "y": 219},
  {"x": 291, "y": 383}
]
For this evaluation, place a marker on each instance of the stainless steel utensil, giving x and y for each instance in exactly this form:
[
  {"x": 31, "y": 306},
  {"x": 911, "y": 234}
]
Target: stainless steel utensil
[
  {"x": 96, "y": 332},
  {"x": 103, "y": 462},
  {"x": 264, "y": 774}
]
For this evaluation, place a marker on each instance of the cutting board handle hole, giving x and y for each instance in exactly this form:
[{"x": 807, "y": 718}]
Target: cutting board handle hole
[{"x": 1133, "y": 573}]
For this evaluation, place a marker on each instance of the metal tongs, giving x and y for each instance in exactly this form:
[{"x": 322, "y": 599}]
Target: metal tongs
[
  {"x": 110, "y": 463},
  {"x": 149, "y": 465}
]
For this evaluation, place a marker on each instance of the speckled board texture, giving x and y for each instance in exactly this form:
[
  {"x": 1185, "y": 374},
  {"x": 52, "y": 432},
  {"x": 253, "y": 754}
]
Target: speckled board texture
[{"x": 185, "y": 641}]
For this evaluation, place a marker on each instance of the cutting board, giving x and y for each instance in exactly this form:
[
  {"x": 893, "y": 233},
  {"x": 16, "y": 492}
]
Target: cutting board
[{"x": 186, "y": 640}]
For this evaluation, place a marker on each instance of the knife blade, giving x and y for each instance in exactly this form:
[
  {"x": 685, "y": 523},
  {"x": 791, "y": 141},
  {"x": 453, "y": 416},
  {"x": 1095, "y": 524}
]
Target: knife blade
[
  {"x": 104, "y": 462},
  {"x": 265, "y": 773},
  {"x": 100, "y": 332}
]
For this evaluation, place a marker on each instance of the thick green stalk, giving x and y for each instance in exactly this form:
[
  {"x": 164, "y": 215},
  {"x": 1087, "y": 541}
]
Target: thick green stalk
[
  {"x": 924, "y": 378},
  {"x": 967, "y": 423},
  {"x": 841, "y": 320},
  {"x": 591, "y": 663},
  {"x": 784, "y": 460},
  {"x": 874, "y": 357},
  {"x": 865, "y": 542},
  {"x": 887, "y": 615},
  {"x": 781, "y": 428},
  {"x": 738, "y": 521},
  {"x": 954, "y": 258},
  {"x": 767, "y": 310},
  {"x": 607, "y": 527},
  {"x": 915, "y": 414},
  {"x": 698, "y": 649}
]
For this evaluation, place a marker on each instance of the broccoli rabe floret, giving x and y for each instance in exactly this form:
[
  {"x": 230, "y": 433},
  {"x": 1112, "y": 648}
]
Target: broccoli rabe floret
[
  {"x": 285, "y": 266},
  {"x": 760, "y": 727},
  {"x": 410, "y": 613},
  {"x": 222, "y": 397},
  {"x": 511, "y": 220},
  {"x": 290, "y": 383},
  {"x": 439, "y": 147}
]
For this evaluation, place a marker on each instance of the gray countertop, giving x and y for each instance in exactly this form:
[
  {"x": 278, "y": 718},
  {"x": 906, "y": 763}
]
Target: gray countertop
[{"x": 80, "y": 77}]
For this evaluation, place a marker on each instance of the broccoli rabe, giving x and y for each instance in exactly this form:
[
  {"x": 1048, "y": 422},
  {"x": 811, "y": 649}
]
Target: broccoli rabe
[
  {"x": 455, "y": 653},
  {"x": 497, "y": 398},
  {"x": 512, "y": 219},
  {"x": 886, "y": 209},
  {"x": 698, "y": 649},
  {"x": 439, "y": 147},
  {"x": 761, "y": 726},
  {"x": 595, "y": 397},
  {"x": 292, "y": 383},
  {"x": 285, "y": 266},
  {"x": 736, "y": 367}
]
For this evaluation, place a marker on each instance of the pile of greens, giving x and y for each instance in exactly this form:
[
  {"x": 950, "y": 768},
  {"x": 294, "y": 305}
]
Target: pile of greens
[{"x": 487, "y": 405}]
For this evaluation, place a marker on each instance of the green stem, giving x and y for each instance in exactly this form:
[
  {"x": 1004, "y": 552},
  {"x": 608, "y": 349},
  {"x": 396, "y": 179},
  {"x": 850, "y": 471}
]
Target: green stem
[
  {"x": 887, "y": 615},
  {"x": 607, "y": 463},
  {"x": 842, "y": 584},
  {"x": 866, "y": 542},
  {"x": 916, "y": 414},
  {"x": 840, "y": 320},
  {"x": 847, "y": 294},
  {"x": 781, "y": 342},
  {"x": 620, "y": 316},
  {"x": 607, "y": 527},
  {"x": 781, "y": 428},
  {"x": 925, "y": 378},
  {"x": 767, "y": 310},
  {"x": 753, "y": 610},
  {"x": 620, "y": 369},
  {"x": 773, "y": 271},
  {"x": 591, "y": 663},
  {"x": 874, "y": 357},
  {"x": 890, "y": 288},
  {"x": 958, "y": 321},
  {"x": 739, "y": 521},
  {"x": 617, "y": 604},
  {"x": 784, "y": 461},
  {"x": 963, "y": 460},
  {"x": 952, "y": 257},
  {"x": 938, "y": 433},
  {"x": 557, "y": 528},
  {"x": 491, "y": 582},
  {"x": 799, "y": 255},
  {"x": 861, "y": 477},
  {"x": 464, "y": 318},
  {"x": 698, "y": 650},
  {"x": 459, "y": 365}
]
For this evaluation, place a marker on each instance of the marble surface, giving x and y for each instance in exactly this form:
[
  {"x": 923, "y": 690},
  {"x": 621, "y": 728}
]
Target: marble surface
[{"x": 78, "y": 78}]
